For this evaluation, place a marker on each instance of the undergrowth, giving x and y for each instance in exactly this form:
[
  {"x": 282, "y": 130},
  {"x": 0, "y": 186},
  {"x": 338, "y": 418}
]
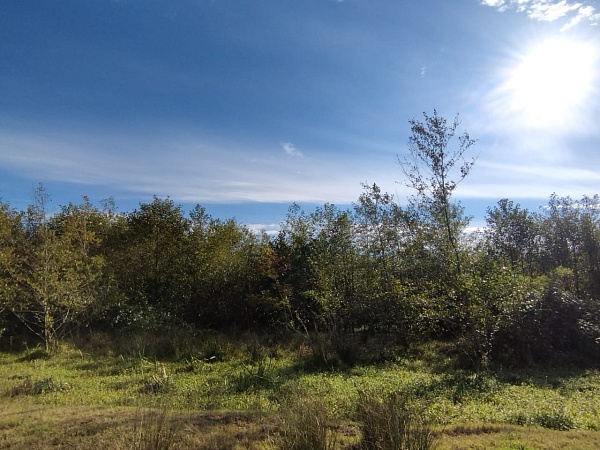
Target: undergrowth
[{"x": 408, "y": 400}]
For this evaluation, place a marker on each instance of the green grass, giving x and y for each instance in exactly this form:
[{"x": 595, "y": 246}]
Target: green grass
[{"x": 87, "y": 394}]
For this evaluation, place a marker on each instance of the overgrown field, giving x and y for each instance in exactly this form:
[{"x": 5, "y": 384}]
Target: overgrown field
[{"x": 218, "y": 393}]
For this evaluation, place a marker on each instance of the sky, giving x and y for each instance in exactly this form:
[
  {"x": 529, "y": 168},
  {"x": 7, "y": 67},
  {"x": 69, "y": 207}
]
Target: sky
[{"x": 247, "y": 106}]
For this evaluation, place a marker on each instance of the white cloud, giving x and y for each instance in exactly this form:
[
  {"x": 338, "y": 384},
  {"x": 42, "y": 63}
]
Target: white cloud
[
  {"x": 290, "y": 149},
  {"x": 584, "y": 13},
  {"x": 549, "y": 10},
  {"x": 500, "y": 4},
  {"x": 270, "y": 229}
]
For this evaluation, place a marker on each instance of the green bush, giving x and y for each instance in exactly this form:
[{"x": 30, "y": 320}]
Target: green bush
[
  {"x": 262, "y": 375},
  {"x": 556, "y": 420}
]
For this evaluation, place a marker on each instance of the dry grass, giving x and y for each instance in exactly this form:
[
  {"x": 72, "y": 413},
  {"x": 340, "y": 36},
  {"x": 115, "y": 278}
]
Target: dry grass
[
  {"x": 29, "y": 426},
  {"x": 51, "y": 427},
  {"x": 510, "y": 437}
]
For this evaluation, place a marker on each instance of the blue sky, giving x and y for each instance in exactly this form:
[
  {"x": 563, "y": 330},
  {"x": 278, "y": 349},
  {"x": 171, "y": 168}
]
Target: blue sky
[{"x": 246, "y": 106}]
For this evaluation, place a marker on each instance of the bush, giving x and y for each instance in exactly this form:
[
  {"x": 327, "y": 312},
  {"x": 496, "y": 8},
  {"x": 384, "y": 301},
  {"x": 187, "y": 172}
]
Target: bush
[
  {"x": 547, "y": 327},
  {"x": 30, "y": 387},
  {"x": 556, "y": 420},
  {"x": 262, "y": 375}
]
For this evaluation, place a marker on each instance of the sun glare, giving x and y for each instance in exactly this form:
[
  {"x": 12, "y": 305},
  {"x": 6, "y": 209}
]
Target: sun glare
[{"x": 551, "y": 82}]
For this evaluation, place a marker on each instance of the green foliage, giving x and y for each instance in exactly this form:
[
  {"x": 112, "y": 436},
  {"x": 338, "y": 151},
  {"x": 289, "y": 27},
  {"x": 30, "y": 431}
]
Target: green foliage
[
  {"x": 61, "y": 281},
  {"x": 511, "y": 237}
]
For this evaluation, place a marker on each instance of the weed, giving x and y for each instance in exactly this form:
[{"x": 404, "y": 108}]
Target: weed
[
  {"x": 35, "y": 354},
  {"x": 189, "y": 365},
  {"x": 262, "y": 376},
  {"x": 157, "y": 383},
  {"x": 216, "y": 349},
  {"x": 557, "y": 419}
]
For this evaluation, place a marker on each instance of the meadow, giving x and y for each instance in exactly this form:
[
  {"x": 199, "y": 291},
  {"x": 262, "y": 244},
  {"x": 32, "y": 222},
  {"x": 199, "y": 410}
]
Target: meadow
[{"x": 208, "y": 391}]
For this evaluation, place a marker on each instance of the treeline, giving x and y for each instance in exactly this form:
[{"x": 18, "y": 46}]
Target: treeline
[{"x": 525, "y": 289}]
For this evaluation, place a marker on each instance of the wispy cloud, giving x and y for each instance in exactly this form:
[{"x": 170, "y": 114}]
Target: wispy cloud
[
  {"x": 188, "y": 167},
  {"x": 549, "y": 10},
  {"x": 290, "y": 149},
  {"x": 192, "y": 167},
  {"x": 490, "y": 182}
]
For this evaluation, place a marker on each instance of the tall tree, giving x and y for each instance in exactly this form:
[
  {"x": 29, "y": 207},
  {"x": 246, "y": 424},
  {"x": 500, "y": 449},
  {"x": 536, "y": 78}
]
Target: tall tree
[
  {"x": 571, "y": 233},
  {"x": 226, "y": 272},
  {"x": 434, "y": 169}
]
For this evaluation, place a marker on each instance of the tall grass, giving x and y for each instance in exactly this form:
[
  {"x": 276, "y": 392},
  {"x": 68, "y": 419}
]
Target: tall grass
[
  {"x": 304, "y": 425},
  {"x": 390, "y": 423},
  {"x": 153, "y": 431}
]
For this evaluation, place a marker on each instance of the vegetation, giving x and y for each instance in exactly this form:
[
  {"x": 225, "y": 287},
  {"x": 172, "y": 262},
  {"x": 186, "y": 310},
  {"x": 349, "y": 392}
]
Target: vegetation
[
  {"x": 389, "y": 325},
  {"x": 122, "y": 395}
]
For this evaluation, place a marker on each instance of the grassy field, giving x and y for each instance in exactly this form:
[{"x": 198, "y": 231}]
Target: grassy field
[{"x": 216, "y": 393}]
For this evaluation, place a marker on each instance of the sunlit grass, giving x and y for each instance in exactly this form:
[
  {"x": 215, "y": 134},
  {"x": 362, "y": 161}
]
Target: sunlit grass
[{"x": 95, "y": 386}]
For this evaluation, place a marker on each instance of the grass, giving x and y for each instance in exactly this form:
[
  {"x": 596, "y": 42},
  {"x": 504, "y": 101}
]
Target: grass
[{"x": 223, "y": 395}]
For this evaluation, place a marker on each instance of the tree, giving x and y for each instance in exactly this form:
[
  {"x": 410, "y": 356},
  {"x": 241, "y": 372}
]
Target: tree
[
  {"x": 153, "y": 263},
  {"x": 434, "y": 168},
  {"x": 571, "y": 234},
  {"x": 61, "y": 281},
  {"x": 294, "y": 247},
  {"x": 227, "y": 263},
  {"x": 511, "y": 236},
  {"x": 334, "y": 266},
  {"x": 11, "y": 236},
  {"x": 430, "y": 168},
  {"x": 382, "y": 237}
]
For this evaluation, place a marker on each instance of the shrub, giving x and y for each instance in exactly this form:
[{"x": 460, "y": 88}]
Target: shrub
[
  {"x": 261, "y": 376},
  {"x": 556, "y": 420},
  {"x": 30, "y": 387}
]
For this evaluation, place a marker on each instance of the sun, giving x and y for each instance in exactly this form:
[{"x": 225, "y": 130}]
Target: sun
[{"x": 551, "y": 82}]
